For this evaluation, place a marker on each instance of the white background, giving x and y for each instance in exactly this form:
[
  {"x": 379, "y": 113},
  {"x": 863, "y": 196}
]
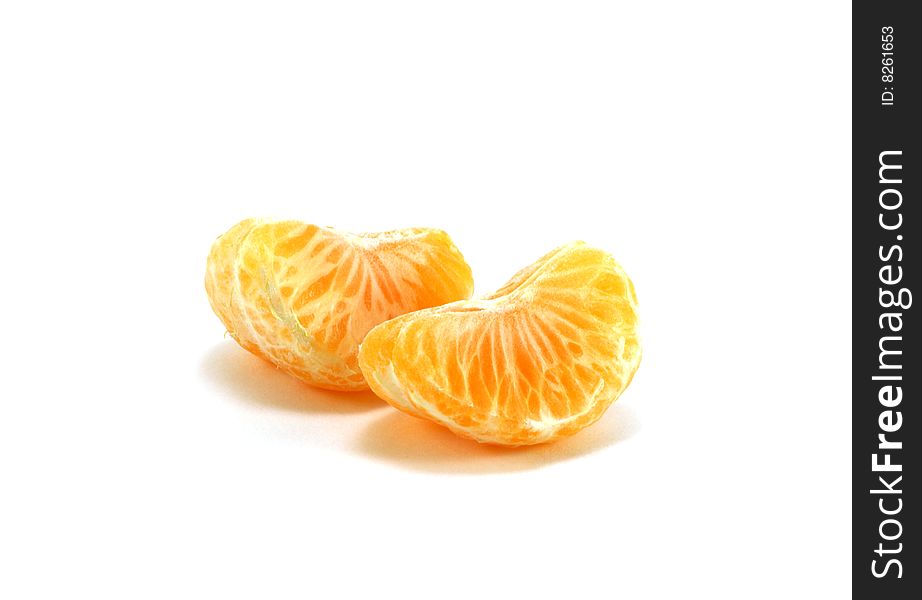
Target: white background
[{"x": 705, "y": 144}]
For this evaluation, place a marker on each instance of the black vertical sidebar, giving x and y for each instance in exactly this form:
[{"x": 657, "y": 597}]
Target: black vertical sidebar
[{"x": 886, "y": 367}]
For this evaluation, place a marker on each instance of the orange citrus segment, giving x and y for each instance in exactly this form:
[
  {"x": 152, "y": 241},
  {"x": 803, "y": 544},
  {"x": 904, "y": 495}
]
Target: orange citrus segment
[
  {"x": 303, "y": 296},
  {"x": 541, "y": 358}
]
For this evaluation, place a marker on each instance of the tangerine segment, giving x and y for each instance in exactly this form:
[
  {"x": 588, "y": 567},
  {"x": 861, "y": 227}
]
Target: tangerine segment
[
  {"x": 303, "y": 296},
  {"x": 541, "y": 358}
]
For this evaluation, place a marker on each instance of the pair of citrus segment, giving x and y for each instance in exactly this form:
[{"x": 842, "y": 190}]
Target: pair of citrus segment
[
  {"x": 541, "y": 358},
  {"x": 303, "y": 297}
]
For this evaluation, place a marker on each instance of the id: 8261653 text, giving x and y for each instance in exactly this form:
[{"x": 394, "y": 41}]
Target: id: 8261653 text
[{"x": 886, "y": 65}]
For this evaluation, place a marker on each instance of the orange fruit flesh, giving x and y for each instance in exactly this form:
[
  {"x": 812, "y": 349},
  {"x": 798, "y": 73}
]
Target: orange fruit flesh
[
  {"x": 303, "y": 296},
  {"x": 541, "y": 358}
]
